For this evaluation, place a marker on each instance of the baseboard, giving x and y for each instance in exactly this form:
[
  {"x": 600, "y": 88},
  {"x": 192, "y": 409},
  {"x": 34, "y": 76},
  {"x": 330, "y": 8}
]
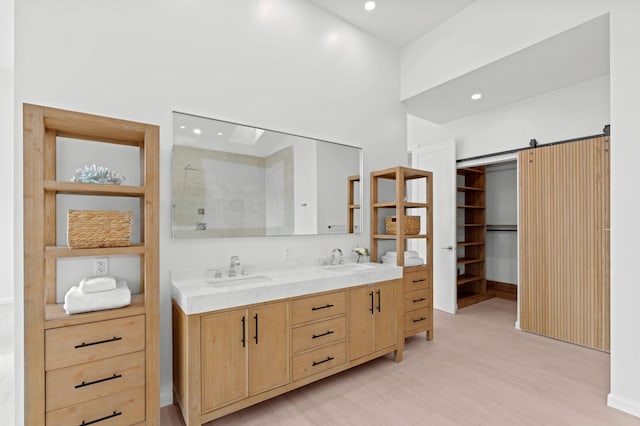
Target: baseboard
[
  {"x": 166, "y": 397},
  {"x": 622, "y": 404},
  {"x": 503, "y": 290},
  {"x": 6, "y": 301}
]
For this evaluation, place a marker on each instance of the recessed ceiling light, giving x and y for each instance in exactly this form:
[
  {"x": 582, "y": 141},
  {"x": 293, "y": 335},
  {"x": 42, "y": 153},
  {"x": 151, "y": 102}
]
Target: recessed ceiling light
[
  {"x": 476, "y": 96},
  {"x": 370, "y": 5},
  {"x": 197, "y": 131},
  {"x": 219, "y": 133},
  {"x": 183, "y": 126}
]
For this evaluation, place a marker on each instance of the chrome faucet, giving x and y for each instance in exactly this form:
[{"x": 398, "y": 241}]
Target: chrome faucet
[
  {"x": 234, "y": 263},
  {"x": 336, "y": 256}
]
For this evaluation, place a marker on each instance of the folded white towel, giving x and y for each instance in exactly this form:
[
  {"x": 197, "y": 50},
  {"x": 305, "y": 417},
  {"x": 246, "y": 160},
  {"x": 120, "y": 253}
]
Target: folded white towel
[
  {"x": 407, "y": 254},
  {"x": 96, "y": 284},
  {"x": 412, "y": 261},
  {"x": 75, "y": 301}
]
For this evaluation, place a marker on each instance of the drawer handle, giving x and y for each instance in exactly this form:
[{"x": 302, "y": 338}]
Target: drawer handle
[
  {"x": 83, "y": 384},
  {"x": 110, "y": 416},
  {"x": 419, "y": 300},
  {"x": 315, "y": 336},
  {"x": 419, "y": 319},
  {"x": 329, "y": 358},
  {"x": 419, "y": 280},
  {"x": 84, "y": 345},
  {"x": 328, "y": 305}
]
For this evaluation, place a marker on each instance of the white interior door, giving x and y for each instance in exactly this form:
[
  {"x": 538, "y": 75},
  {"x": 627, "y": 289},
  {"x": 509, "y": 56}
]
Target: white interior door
[{"x": 440, "y": 159}]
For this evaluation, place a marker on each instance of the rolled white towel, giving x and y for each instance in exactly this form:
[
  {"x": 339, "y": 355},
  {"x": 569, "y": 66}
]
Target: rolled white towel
[
  {"x": 97, "y": 284},
  {"x": 75, "y": 301}
]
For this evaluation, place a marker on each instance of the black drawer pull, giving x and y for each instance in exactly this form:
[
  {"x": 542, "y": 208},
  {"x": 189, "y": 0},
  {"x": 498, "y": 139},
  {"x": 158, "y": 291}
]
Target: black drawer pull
[
  {"x": 256, "y": 336},
  {"x": 329, "y": 358},
  {"x": 84, "y": 345},
  {"x": 419, "y": 319},
  {"x": 419, "y": 280},
  {"x": 110, "y": 416},
  {"x": 419, "y": 300},
  {"x": 315, "y": 336},
  {"x": 371, "y": 309},
  {"x": 244, "y": 335},
  {"x": 83, "y": 384},
  {"x": 328, "y": 305}
]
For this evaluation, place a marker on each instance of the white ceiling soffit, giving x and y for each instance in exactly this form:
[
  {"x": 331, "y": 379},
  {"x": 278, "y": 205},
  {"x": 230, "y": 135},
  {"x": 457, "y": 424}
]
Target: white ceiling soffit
[
  {"x": 395, "y": 21},
  {"x": 573, "y": 56}
]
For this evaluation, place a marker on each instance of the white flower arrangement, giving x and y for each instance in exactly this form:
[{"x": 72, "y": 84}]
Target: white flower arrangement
[
  {"x": 97, "y": 174},
  {"x": 361, "y": 251}
]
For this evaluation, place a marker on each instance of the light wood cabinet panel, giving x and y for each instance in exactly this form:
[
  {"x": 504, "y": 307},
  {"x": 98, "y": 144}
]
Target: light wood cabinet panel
[
  {"x": 224, "y": 358},
  {"x": 269, "y": 347},
  {"x": 317, "y": 361},
  {"x": 313, "y": 308},
  {"x": 120, "y": 409},
  {"x": 372, "y": 318},
  {"x": 244, "y": 352},
  {"x": 79, "y": 383},
  {"x": 318, "y": 334},
  {"x": 90, "y": 342}
]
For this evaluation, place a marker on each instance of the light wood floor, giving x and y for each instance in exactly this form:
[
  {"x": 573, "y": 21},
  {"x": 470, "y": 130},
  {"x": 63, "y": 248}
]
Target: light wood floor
[
  {"x": 7, "y": 389},
  {"x": 478, "y": 370}
]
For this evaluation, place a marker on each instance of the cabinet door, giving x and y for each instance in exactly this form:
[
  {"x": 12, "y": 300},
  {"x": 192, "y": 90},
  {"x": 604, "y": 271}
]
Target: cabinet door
[
  {"x": 224, "y": 358},
  {"x": 269, "y": 347},
  {"x": 385, "y": 318},
  {"x": 361, "y": 306}
]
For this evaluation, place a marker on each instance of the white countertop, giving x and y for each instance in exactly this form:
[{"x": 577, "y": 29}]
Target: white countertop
[{"x": 197, "y": 291}]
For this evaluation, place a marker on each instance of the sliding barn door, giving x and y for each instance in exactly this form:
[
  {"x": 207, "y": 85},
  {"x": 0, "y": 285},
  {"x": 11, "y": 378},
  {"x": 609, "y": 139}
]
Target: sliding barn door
[{"x": 564, "y": 241}]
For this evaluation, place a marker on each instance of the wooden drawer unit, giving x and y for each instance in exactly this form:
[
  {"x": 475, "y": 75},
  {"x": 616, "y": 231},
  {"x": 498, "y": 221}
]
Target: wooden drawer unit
[
  {"x": 318, "y": 334},
  {"x": 94, "y": 341},
  {"x": 79, "y": 383},
  {"x": 414, "y": 280},
  {"x": 416, "y": 299},
  {"x": 313, "y": 308},
  {"x": 122, "y": 408},
  {"x": 416, "y": 321},
  {"x": 319, "y": 360}
]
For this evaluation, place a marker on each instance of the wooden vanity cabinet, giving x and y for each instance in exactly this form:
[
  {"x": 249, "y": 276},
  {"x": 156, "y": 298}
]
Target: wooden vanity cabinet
[
  {"x": 373, "y": 318},
  {"x": 244, "y": 352},
  {"x": 227, "y": 360}
]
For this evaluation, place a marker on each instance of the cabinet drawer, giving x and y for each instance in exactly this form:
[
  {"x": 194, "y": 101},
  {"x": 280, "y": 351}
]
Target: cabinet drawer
[
  {"x": 416, "y": 320},
  {"x": 316, "y": 307},
  {"x": 79, "y": 383},
  {"x": 416, "y": 299},
  {"x": 318, "y": 334},
  {"x": 90, "y": 342},
  {"x": 123, "y": 408},
  {"x": 415, "y": 280},
  {"x": 319, "y": 360}
]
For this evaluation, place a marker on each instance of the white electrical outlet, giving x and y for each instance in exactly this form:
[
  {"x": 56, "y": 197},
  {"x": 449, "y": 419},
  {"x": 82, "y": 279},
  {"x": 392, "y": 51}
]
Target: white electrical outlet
[{"x": 100, "y": 265}]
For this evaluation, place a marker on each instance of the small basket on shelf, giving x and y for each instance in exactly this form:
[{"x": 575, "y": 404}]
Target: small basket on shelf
[
  {"x": 99, "y": 228},
  {"x": 411, "y": 225}
]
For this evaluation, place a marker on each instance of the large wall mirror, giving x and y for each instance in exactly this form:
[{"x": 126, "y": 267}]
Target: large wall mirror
[{"x": 232, "y": 180}]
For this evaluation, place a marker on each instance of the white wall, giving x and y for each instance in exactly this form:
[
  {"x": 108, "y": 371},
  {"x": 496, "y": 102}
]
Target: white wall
[
  {"x": 491, "y": 29},
  {"x": 281, "y": 65},
  {"x": 502, "y": 209},
  {"x": 6, "y": 148}
]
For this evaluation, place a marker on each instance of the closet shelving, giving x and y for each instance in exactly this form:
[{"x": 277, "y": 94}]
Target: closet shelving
[
  {"x": 471, "y": 279},
  {"x": 417, "y": 280},
  {"x": 62, "y": 350}
]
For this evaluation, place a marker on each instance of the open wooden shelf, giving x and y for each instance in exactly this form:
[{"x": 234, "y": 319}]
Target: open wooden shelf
[
  {"x": 468, "y": 206},
  {"x": 93, "y": 189},
  {"x": 470, "y": 243},
  {"x": 467, "y": 260},
  {"x": 52, "y": 252},
  {"x": 393, "y": 236},
  {"x": 464, "y": 278},
  {"x": 55, "y": 316},
  {"x": 406, "y": 204},
  {"x": 469, "y": 188},
  {"x": 471, "y": 170}
]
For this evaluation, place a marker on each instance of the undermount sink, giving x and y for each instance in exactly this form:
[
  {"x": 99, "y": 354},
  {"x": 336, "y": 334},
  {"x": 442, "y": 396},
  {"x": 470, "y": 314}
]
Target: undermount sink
[
  {"x": 351, "y": 267},
  {"x": 240, "y": 280}
]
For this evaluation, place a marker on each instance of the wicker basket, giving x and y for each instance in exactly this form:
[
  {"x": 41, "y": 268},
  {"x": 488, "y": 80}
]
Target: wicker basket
[
  {"x": 99, "y": 228},
  {"x": 411, "y": 225}
]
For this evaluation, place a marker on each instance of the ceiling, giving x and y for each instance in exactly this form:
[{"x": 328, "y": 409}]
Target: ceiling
[
  {"x": 397, "y": 22},
  {"x": 576, "y": 55}
]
